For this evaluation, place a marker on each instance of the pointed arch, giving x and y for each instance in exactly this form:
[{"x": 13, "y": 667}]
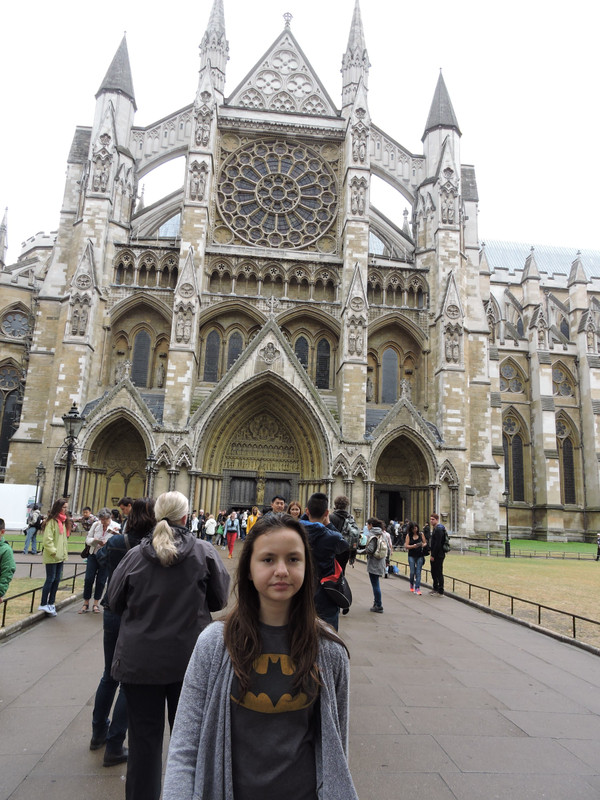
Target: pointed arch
[
  {"x": 517, "y": 455},
  {"x": 568, "y": 442}
]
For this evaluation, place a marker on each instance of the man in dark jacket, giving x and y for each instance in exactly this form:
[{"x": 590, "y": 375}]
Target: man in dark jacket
[
  {"x": 325, "y": 545},
  {"x": 344, "y": 522},
  {"x": 438, "y": 554},
  {"x": 104, "y": 731}
]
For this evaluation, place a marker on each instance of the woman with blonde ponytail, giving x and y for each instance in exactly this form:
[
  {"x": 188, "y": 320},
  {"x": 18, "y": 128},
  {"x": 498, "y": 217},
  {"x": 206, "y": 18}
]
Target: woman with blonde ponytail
[{"x": 164, "y": 589}]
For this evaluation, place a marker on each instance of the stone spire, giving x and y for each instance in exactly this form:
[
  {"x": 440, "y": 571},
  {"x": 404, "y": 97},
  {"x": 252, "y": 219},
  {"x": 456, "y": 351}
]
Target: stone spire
[
  {"x": 214, "y": 47},
  {"x": 3, "y": 239},
  {"x": 118, "y": 78},
  {"x": 355, "y": 61},
  {"x": 441, "y": 113},
  {"x": 577, "y": 273},
  {"x": 531, "y": 271}
]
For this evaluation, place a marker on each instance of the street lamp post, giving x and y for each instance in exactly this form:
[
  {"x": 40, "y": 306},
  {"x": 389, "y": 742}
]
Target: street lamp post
[
  {"x": 150, "y": 465},
  {"x": 506, "y": 496},
  {"x": 39, "y": 474},
  {"x": 73, "y": 423}
]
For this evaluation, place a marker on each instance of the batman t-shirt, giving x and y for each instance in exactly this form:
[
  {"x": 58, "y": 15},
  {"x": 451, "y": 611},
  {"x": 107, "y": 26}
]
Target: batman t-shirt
[{"x": 273, "y": 728}]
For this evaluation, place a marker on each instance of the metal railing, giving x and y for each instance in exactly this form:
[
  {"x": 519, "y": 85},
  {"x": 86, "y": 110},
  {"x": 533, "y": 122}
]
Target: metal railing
[
  {"x": 565, "y": 623},
  {"x": 65, "y": 582}
]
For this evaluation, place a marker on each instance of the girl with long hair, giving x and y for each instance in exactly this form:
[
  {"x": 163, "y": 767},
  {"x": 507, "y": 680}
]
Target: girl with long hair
[
  {"x": 414, "y": 543},
  {"x": 264, "y": 706},
  {"x": 164, "y": 590},
  {"x": 56, "y": 529}
]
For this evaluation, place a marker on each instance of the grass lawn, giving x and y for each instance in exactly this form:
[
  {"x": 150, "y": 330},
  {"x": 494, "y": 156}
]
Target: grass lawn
[
  {"x": 568, "y": 585},
  {"x": 534, "y": 547},
  {"x": 21, "y": 607}
]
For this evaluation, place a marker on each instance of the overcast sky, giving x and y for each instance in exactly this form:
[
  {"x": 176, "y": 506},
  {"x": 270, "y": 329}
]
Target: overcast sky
[{"x": 522, "y": 77}]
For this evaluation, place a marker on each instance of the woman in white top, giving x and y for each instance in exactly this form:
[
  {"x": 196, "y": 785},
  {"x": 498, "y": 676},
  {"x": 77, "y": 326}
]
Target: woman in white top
[{"x": 98, "y": 535}]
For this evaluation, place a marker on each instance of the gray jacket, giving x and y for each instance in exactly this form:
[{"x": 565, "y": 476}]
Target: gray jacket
[
  {"x": 164, "y": 609},
  {"x": 376, "y": 566},
  {"x": 199, "y": 764}
]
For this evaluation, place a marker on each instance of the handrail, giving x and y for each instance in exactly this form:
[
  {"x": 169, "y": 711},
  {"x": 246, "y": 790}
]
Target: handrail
[
  {"x": 65, "y": 579},
  {"x": 573, "y": 630}
]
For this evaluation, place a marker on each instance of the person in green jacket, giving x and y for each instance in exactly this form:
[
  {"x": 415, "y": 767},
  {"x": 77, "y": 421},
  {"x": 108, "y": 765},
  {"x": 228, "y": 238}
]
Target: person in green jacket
[
  {"x": 7, "y": 563},
  {"x": 56, "y": 529}
]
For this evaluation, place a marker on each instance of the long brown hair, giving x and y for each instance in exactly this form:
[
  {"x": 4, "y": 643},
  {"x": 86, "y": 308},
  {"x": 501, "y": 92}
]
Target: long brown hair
[
  {"x": 242, "y": 632},
  {"x": 55, "y": 510}
]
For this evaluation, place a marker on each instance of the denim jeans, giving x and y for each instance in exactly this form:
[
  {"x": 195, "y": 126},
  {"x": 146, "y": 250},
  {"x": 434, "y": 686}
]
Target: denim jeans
[
  {"x": 31, "y": 539},
  {"x": 416, "y": 565},
  {"x": 376, "y": 590},
  {"x": 94, "y": 570},
  {"x": 50, "y": 587},
  {"x": 107, "y": 688}
]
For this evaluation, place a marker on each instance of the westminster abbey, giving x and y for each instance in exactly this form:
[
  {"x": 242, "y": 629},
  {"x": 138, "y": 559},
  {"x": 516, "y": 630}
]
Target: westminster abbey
[{"x": 265, "y": 329}]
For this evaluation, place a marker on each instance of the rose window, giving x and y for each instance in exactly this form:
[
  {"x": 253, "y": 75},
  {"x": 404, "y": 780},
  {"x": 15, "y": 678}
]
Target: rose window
[{"x": 277, "y": 194}]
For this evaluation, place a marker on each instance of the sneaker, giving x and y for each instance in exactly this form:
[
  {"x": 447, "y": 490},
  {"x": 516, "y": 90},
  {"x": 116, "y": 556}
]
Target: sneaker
[
  {"x": 417, "y": 591},
  {"x": 433, "y": 591},
  {"x": 412, "y": 588},
  {"x": 376, "y": 609},
  {"x": 46, "y": 609},
  {"x": 51, "y": 610}
]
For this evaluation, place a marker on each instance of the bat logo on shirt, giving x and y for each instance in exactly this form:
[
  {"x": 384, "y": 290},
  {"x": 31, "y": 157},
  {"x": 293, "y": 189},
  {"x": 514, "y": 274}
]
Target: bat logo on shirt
[{"x": 271, "y": 686}]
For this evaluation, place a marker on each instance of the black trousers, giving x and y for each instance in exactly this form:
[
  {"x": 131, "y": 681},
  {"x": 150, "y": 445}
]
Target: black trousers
[
  {"x": 437, "y": 574},
  {"x": 146, "y": 717}
]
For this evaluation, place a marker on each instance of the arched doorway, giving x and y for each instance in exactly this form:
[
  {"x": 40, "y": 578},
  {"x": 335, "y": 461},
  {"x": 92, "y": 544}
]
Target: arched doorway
[
  {"x": 116, "y": 466},
  {"x": 264, "y": 442},
  {"x": 403, "y": 484}
]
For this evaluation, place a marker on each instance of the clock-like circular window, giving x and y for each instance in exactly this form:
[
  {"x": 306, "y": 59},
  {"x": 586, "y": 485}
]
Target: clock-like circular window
[
  {"x": 16, "y": 324},
  {"x": 277, "y": 194}
]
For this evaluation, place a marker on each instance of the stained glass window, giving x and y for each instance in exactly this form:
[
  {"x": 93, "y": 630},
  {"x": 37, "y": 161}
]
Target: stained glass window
[
  {"x": 323, "y": 364},
  {"x": 141, "y": 357},
  {"x": 211, "y": 358}
]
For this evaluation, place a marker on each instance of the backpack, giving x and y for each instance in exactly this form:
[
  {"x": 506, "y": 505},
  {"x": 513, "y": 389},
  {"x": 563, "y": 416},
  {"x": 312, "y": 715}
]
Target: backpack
[
  {"x": 381, "y": 550},
  {"x": 351, "y": 533}
]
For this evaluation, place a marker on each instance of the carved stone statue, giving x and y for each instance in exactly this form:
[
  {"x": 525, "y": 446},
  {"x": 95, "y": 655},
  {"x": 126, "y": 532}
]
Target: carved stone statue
[
  {"x": 359, "y": 342},
  {"x": 405, "y": 389},
  {"x": 75, "y": 322},
  {"x": 352, "y": 341},
  {"x": 179, "y": 326},
  {"x": 83, "y": 321},
  {"x": 187, "y": 329},
  {"x": 160, "y": 375},
  {"x": 369, "y": 389}
]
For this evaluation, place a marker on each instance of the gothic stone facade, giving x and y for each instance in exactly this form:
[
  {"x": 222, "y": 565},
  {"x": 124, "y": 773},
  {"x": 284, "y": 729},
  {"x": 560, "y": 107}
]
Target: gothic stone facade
[{"x": 266, "y": 329}]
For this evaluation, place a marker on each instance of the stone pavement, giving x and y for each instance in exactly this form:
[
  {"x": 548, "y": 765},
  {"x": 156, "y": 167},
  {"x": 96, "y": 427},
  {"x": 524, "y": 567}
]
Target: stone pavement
[{"x": 447, "y": 702}]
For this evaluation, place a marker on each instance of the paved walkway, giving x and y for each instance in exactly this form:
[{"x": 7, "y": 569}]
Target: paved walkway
[{"x": 447, "y": 702}]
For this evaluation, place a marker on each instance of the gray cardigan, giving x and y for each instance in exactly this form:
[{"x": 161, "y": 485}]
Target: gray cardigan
[{"x": 199, "y": 764}]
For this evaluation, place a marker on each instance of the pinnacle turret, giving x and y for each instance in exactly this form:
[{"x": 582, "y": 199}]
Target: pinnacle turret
[
  {"x": 118, "y": 77},
  {"x": 355, "y": 61},
  {"x": 441, "y": 113},
  {"x": 214, "y": 47}
]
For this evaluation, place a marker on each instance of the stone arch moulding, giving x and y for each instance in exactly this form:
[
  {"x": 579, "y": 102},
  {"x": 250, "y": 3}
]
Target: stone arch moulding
[
  {"x": 417, "y": 439},
  {"x": 448, "y": 473},
  {"x": 274, "y": 394},
  {"x": 164, "y": 457},
  {"x": 360, "y": 468},
  {"x": 105, "y": 419},
  {"x": 341, "y": 467},
  {"x": 184, "y": 458}
]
